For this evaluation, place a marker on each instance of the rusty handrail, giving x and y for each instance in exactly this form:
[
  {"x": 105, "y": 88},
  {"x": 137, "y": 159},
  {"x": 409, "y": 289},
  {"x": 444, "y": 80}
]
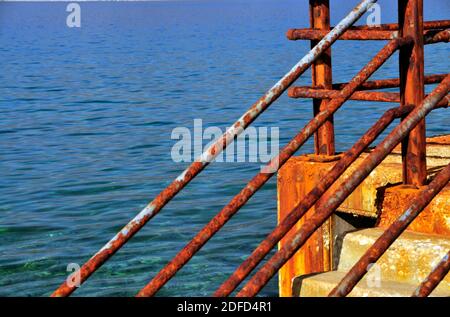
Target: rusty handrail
[
  {"x": 389, "y": 236},
  {"x": 427, "y": 25},
  {"x": 349, "y": 35},
  {"x": 391, "y": 83},
  {"x": 309, "y": 200},
  {"x": 307, "y": 92},
  {"x": 434, "y": 278},
  {"x": 212, "y": 151},
  {"x": 337, "y": 196},
  {"x": 261, "y": 178},
  {"x": 366, "y": 32},
  {"x": 377, "y": 96},
  {"x": 431, "y": 36}
]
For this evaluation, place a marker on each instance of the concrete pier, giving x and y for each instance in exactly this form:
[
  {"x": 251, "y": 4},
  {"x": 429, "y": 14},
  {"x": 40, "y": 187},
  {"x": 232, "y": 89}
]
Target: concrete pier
[{"x": 379, "y": 200}]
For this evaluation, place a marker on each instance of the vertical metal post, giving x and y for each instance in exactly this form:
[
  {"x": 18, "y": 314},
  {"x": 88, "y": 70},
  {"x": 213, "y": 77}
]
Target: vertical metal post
[
  {"x": 319, "y": 15},
  {"x": 412, "y": 89}
]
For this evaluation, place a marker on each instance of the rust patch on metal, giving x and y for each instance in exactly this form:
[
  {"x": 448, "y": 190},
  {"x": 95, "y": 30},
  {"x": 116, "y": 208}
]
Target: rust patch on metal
[
  {"x": 306, "y": 92},
  {"x": 391, "y": 83}
]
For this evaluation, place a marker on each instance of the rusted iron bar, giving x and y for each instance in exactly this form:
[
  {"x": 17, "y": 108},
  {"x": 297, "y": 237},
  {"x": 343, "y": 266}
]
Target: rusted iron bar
[
  {"x": 433, "y": 36},
  {"x": 319, "y": 16},
  {"x": 261, "y": 178},
  {"x": 338, "y": 195},
  {"x": 349, "y": 35},
  {"x": 212, "y": 151},
  {"x": 364, "y": 32},
  {"x": 434, "y": 278},
  {"x": 306, "y": 92},
  {"x": 438, "y": 24},
  {"x": 388, "y": 237},
  {"x": 412, "y": 90},
  {"x": 309, "y": 200},
  {"x": 321, "y": 73},
  {"x": 391, "y": 83},
  {"x": 430, "y": 37}
]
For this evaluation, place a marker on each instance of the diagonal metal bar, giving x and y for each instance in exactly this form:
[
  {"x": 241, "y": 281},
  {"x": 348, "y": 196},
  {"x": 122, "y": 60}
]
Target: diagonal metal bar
[
  {"x": 388, "y": 237},
  {"x": 211, "y": 152},
  {"x": 337, "y": 196},
  {"x": 309, "y": 200},
  {"x": 434, "y": 278},
  {"x": 261, "y": 178}
]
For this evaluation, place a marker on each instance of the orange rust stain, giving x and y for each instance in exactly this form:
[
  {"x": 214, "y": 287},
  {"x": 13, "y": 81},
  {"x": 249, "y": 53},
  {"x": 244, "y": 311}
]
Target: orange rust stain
[
  {"x": 441, "y": 139},
  {"x": 295, "y": 180},
  {"x": 434, "y": 219}
]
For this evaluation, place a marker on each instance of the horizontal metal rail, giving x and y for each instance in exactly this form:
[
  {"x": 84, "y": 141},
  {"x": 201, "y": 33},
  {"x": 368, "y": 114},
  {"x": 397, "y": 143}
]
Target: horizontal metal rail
[
  {"x": 434, "y": 278},
  {"x": 261, "y": 178},
  {"x": 212, "y": 151},
  {"x": 307, "y": 92},
  {"x": 427, "y": 25},
  {"x": 349, "y": 35},
  {"x": 430, "y": 36},
  {"x": 309, "y": 200},
  {"x": 338, "y": 195},
  {"x": 423, "y": 198},
  {"x": 391, "y": 83}
]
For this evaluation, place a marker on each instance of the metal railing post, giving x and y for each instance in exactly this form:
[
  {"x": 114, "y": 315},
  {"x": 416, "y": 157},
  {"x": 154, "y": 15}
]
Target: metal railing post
[
  {"x": 319, "y": 15},
  {"x": 412, "y": 89}
]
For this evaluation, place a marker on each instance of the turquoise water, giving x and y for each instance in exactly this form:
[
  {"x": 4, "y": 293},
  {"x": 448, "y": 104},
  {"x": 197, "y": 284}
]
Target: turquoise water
[{"x": 86, "y": 117}]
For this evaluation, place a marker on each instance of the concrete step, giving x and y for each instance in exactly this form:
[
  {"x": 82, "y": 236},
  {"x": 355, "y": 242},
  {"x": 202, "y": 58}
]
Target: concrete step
[
  {"x": 320, "y": 285},
  {"x": 409, "y": 260}
]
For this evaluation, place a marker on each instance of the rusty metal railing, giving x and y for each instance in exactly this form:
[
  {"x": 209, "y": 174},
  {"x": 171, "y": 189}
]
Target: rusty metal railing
[
  {"x": 261, "y": 178},
  {"x": 212, "y": 151},
  {"x": 337, "y": 196},
  {"x": 328, "y": 98}
]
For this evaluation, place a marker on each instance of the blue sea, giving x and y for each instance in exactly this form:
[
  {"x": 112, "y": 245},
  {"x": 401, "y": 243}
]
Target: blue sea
[{"x": 86, "y": 116}]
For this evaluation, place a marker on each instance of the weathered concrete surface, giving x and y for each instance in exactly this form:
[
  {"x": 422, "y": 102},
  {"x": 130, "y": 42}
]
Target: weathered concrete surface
[
  {"x": 435, "y": 218},
  {"x": 376, "y": 195},
  {"x": 320, "y": 285},
  {"x": 409, "y": 259},
  {"x": 397, "y": 273},
  {"x": 294, "y": 181}
]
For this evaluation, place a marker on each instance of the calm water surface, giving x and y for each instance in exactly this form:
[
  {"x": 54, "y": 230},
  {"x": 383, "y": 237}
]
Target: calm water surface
[{"x": 86, "y": 117}]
